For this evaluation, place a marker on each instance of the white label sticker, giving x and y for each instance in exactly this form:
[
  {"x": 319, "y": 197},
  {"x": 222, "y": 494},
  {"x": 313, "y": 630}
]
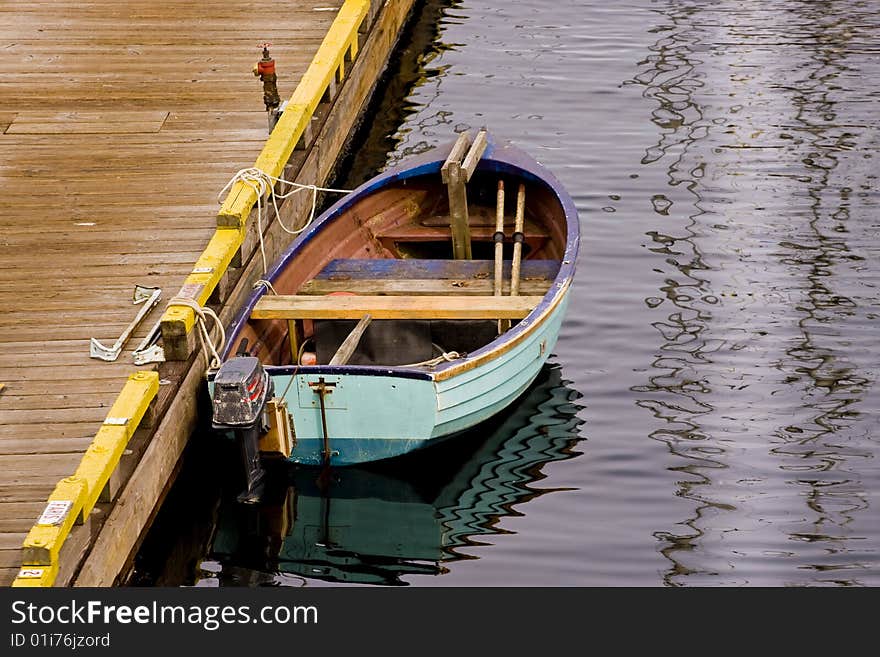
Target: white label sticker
[
  {"x": 31, "y": 572},
  {"x": 55, "y": 512}
]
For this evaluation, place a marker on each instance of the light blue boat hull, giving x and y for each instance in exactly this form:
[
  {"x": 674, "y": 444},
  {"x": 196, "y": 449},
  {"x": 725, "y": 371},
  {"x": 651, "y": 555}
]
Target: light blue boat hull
[
  {"x": 376, "y": 416},
  {"x": 374, "y": 413}
]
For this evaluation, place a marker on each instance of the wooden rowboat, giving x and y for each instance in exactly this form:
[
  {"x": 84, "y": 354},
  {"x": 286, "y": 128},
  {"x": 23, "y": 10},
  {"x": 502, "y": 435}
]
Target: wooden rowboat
[{"x": 417, "y": 306}]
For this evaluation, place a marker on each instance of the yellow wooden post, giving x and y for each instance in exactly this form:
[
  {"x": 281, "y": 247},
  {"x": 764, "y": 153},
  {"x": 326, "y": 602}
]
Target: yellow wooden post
[
  {"x": 63, "y": 509},
  {"x": 73, "y": 498}
]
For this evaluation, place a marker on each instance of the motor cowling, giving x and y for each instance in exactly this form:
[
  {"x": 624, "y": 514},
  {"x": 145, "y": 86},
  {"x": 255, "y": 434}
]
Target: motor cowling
[{"x": 241, "y": 389}]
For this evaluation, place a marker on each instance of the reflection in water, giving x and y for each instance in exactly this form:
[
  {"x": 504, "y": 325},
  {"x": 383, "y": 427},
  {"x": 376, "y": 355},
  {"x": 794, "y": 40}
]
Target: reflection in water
[
  {"x": 830, "y": 382},
  {"x": 411, "y": 66},
  {"x": 678, "y": 390},
  {"x": 774, "y": 289},
  {"x": 410, "y": 517}
]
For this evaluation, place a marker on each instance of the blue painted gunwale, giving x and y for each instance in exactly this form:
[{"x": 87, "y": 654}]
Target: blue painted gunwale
[{"x": 499, "y": 158}]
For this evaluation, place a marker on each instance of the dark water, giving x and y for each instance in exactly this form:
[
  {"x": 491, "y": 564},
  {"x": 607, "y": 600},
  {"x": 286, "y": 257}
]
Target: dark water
[{"x": 710, "y": 417}]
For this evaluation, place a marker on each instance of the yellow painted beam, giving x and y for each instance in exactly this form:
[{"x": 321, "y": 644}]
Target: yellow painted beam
[
  {"x": 103, "y": 454},
  {"x": 64, "y": 508},
  {"x": 36, "y": 576},
  {"x": 207, "y": 272}
]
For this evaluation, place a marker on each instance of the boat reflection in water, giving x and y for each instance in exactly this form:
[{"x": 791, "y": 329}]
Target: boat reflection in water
[{"x": 374, "y": 525}]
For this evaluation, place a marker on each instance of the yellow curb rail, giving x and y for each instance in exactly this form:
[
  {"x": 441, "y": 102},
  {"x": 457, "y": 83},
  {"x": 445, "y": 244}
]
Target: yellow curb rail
[
  {"x": 326, "y": 69},
  {"x": 74, "y": 497}
]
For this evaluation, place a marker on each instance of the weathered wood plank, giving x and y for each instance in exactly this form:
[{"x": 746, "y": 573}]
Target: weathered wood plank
[
  {"x": 393, "y": 307},
  {"x": 23, "y": 468},
  {"x": 45, "y": 445},
  {"x": 86, "y": 122},
  {"x": 10, "y": 557},
  {"x": 391, "y": 268},
  {"x": 423, "y": 233},
  {"x": 7, "y": 574},
  {"x": 409, "y": 286}
]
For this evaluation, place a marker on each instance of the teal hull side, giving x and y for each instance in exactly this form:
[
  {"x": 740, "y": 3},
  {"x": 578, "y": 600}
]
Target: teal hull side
[
  {"x": 370, "y": 418},
  {"x": 478, "y": 394}
]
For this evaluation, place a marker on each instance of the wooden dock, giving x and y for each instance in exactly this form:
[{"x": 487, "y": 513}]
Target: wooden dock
[{"x": 120, "y": 123}]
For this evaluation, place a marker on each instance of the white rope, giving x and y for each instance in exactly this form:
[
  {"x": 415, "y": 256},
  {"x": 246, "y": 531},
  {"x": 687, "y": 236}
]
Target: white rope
[
  {"x": 264, "y": 184},
  {"x": 261, "y": 282},
  {"x": 212, "y": 357},
  {"x": 447, "y": 356}
]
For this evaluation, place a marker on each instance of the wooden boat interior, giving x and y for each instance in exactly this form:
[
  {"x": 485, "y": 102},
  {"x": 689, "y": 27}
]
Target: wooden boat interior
[{"x": 389, "y": 255}]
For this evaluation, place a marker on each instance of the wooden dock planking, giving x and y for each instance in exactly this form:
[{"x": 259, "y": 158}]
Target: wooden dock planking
[{"x": 129, "y": 115}]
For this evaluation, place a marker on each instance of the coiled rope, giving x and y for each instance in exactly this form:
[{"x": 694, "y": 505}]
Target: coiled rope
[
  {"x": 211, "y": 351},
  {"x": 264, "y": 184}
]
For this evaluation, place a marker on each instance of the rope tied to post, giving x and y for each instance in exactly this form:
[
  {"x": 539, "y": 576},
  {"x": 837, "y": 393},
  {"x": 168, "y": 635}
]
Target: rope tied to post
[
  {"x": 263, "y": 185},
  {"x": 210, "y": 350}
]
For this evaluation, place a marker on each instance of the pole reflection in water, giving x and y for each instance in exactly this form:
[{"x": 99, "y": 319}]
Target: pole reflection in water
[
  {"x": 409, "y": 516},
  {"x": 761, "y": 378}
]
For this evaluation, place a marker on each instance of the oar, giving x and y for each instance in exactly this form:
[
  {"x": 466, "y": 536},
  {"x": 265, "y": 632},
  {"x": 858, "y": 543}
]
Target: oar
[
  {"x": 499, "y": 247},
  {"x": 346, "y": 349},
  {"x": 518, "y": 240}
]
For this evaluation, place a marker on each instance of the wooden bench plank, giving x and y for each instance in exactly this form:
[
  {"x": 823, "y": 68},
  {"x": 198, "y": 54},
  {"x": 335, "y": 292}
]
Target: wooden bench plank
[
  {"x": 421, "y": 233},
  {"x": 421, "y": 286},
  {"x": 393, "y": 307},
  {"x": 426, "y": 268}
]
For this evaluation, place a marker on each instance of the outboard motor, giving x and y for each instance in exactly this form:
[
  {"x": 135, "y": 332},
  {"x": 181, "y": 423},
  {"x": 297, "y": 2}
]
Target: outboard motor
[{"x": 241, "y": 389}]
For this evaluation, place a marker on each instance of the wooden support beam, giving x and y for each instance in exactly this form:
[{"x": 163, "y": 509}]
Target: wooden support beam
[
  {"x": 456, "y": 172},
  {"x": 469, "y": 164},
  {"x": 393, "y": 307},
  {"x": 459, "y": 149},
  {"x": 451, "y": 174},
  {"x": 417, "y": 268},
  {"x": 458, "y": 211}
]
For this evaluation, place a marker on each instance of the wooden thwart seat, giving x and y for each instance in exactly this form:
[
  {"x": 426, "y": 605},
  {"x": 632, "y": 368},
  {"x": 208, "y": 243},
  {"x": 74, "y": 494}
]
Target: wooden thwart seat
[
  {"x": 298, "y": 306},
  {"x": 379, "y": 276},
  {"x": 420, "y": 287},
  {"x": 424, "y": 268},
  {"x": 534, "y": 235}
]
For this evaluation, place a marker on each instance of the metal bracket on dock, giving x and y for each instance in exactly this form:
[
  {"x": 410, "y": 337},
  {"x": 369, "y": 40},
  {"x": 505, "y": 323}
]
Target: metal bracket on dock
[
  {"x": 149, "y": 297},
  {"x": 147, "y": 352}
]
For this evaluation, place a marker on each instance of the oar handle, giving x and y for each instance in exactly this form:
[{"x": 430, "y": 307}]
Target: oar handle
[{"x": 518, "y": 240}]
